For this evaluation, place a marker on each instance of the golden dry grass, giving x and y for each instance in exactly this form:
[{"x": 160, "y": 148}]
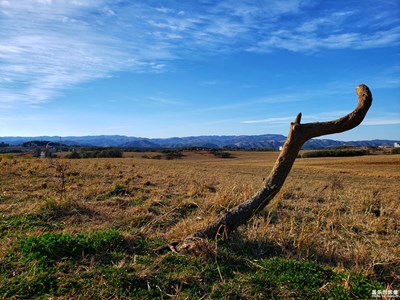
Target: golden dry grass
[{"x": 339, "y": 211}]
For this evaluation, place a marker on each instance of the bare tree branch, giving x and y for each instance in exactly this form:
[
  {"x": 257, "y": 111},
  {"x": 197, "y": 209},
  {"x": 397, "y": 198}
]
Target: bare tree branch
[{"x": 298, "y": 135}]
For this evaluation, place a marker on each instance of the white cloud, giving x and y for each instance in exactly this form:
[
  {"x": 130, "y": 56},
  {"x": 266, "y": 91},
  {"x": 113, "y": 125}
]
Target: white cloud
[
  {"x": 311, "y": 42},
  {"x": 382, "y": 38},
  {"x": 282, "y": 120},
  {"x": 334, "y": 30},
  {"x": 331, "y": 22},
  {"x": 382, "y": 121},
  {"x": 161, "y": 100},
  {"x": 164, "y": 9},
  {"x": 43, "y": 52},
  {"x": 306, "y": 118},
  {"x": 375, "y": 119},
  {"x": 392, "y": 118},
  {"x": 47, "y": 46},
  {"x": 249, "y": 9}
]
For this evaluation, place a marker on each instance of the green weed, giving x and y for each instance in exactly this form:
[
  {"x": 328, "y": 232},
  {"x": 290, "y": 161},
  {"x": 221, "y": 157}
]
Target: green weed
[
  {"x": 24, "y": 223},
  {"x": 106, "y": 265}
]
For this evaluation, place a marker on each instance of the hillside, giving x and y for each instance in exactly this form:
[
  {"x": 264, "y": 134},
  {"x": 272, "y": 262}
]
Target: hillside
[{"x": 240, "y": 142}]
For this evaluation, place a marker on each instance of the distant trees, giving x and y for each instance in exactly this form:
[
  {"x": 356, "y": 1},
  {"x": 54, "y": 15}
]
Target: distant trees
[
  {"x": 73, "y": 155},
  {"x": 335, "y": 153},
  {"x": 35, "y": 144},
  {"x": 9, "y": 150},
  {"x": 104, "y": 153},
  {"x": 4, "y": 148},
  {"x": 221, "y": 154},
  {"x": 396, "y": 151},
  {"x": 167, "y": 154},
  {"x": 171, "y": 154}
]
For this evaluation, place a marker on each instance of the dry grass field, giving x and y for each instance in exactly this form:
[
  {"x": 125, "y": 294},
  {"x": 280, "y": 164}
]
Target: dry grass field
[{"x": 342, "y": 213}]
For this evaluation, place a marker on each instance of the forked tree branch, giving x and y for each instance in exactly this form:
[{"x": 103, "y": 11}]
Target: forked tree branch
[{"x": 298, "y": 135}]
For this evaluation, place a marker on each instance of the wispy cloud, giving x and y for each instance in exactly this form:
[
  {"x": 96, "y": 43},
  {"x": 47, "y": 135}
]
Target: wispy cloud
[
  {"x": 283, "y": 120},
  {"x": 325, "y": 116},
  {"x": 345, "y": 29},
  {"x": 387, "y": 119},
  {"x": 383, "y": 121},
  {"x": 44, "y": 49},
  {"x": 314, "y": 41},
  {"x": 330, "y": 22},
  {"x": 161, "y": 100},
  {"x": 214, "y": 82},
  {"x": 48, "y": 46}
]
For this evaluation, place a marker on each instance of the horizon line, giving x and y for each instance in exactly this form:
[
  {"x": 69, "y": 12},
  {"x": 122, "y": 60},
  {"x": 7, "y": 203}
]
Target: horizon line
[{"x": 181, "y": 137}]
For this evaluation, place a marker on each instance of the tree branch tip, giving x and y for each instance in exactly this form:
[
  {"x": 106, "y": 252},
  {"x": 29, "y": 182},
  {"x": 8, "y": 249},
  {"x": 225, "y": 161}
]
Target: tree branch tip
[
  {"x": 296, "y": 122},
  {"x": 362, "y": 89},
  {"x": 298, "y": 118}
]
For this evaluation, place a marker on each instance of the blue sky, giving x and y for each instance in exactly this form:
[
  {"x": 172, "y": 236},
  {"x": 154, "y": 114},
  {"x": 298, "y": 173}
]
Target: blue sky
[{"x": 181, "y": 68}]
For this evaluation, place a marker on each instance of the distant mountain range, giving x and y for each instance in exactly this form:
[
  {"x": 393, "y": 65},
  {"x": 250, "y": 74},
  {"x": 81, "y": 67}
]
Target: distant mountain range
[{"x": 238, "y": 142}]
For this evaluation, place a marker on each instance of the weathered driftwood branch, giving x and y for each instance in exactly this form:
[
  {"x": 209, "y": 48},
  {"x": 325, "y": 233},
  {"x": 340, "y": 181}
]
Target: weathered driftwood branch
[{"x": 298, "y": 135}]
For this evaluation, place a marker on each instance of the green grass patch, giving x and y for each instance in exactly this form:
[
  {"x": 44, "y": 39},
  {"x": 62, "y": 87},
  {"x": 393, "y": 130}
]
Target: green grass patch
[
  {"x": 50, "y": 247},
  {"x": 106, "y": 265},
  {"x": 24, "y": 222}
]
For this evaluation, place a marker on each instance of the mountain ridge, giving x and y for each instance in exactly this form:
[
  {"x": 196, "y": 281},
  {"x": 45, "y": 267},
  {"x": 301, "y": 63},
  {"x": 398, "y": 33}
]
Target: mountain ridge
[{"x": 208, "y": 141}]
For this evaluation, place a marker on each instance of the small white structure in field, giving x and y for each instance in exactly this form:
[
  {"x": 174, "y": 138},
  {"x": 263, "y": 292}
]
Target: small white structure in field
[
  {"x": 396, "y": 145},
  {"x": 280, "y": 148}
]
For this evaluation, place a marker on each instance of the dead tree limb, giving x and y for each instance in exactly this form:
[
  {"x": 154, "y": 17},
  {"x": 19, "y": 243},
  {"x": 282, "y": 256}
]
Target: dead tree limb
[{"x": 298, "y": 135}]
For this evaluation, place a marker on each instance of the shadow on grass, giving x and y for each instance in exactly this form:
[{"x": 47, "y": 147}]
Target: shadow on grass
[{"x": 257, "y": 250}]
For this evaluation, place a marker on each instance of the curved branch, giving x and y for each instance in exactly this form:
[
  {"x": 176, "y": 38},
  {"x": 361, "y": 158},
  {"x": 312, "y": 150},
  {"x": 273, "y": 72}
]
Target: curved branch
[
  {"x": 349, "y": 121},
  {"x": 298, "y": 135}
]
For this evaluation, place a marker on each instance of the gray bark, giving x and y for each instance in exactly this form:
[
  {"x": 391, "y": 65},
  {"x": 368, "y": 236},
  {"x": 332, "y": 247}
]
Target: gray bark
[{"x": 298, "y": 135}]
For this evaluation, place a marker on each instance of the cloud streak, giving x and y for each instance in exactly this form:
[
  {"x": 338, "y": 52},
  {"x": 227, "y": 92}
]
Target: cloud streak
[
  {"x": 44, "y": 51},
  {"x": 379, "y": 121},
  {"x": 388, "y": 119},
  {"x": 283, "y": 120},
  {"x": 383, "y": 119},
  {"x": 49, "y": 46},
  {"x": 326, "y": 33}
]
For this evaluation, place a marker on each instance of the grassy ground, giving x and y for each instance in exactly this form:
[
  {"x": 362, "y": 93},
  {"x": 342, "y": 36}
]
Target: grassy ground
[{"x": 89, "y": 228}]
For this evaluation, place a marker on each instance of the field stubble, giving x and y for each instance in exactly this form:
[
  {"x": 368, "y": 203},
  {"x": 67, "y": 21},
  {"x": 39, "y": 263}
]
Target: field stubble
[{"x": 343, "y": 212}]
